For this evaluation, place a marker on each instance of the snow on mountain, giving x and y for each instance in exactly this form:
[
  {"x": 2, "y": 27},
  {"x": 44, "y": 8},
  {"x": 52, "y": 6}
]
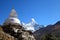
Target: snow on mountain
[{"x": 32, "y": 25}]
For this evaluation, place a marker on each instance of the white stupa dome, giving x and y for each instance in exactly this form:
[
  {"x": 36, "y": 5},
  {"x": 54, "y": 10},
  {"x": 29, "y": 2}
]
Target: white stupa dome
[{"x": 12, "y": 18}]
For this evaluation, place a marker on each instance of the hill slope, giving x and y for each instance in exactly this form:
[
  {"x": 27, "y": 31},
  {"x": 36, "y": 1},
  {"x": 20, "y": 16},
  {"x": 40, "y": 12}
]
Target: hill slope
[{"x": 50, "y": 29}]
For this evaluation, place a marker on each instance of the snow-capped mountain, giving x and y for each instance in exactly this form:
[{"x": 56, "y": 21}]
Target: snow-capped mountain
[{"x": 32, "y": 25}]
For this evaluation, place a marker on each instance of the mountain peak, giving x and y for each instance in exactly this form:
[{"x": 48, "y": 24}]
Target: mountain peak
[
  {"x": 33, "y": 20},
  {"x": 57, "y": 23},
  {"x": 32, "y": 25}
]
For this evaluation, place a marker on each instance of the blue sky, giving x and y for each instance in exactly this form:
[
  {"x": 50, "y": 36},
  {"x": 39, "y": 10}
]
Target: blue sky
[{"x": 43, "y": 11}]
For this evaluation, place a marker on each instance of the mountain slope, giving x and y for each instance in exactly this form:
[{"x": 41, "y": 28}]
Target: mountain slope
[
  {"x": 54, "y": 29},
  {"x": 32, "y": 25}
]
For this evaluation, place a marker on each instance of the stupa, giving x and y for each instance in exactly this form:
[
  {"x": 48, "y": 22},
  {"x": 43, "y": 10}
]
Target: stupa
[
  {"x": 12, "y": 19},
  {"x": 13, "y": 30}
]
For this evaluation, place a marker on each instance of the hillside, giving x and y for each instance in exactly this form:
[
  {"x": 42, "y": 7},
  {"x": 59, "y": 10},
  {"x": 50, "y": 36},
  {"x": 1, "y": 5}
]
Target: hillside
[{"x": 50, "y": 29}]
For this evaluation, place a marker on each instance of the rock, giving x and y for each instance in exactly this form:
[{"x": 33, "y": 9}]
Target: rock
[
  {"x": 6, "y": 33},
  {"x": 26, "y": 36},
  {"x": 5, "y": 36}
]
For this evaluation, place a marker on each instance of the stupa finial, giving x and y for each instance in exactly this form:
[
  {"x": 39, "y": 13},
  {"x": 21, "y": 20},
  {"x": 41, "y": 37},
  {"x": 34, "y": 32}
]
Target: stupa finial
[{"x": 13, "y": 13}]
